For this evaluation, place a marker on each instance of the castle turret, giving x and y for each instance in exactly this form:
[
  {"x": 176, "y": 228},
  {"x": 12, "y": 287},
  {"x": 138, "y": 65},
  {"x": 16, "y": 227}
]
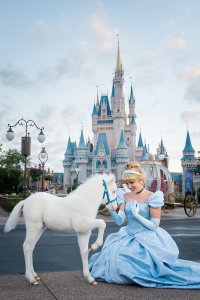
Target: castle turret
[
  {"x": 122, "y": 155},
  {"x": 162, "y": 155},
  {"x": 81, "y": 159},
  {"x": 69, "y": 156},
  {"x": 117, "y": 101},
  {"x": 188, "y": 163}
]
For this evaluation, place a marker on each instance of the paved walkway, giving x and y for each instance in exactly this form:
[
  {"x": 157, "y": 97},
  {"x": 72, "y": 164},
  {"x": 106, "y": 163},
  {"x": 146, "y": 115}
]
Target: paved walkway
[{"x": 71, "y": 285}]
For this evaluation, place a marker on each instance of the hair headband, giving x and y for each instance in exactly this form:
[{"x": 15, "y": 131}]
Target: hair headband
[{"x": 132, "y": 172}]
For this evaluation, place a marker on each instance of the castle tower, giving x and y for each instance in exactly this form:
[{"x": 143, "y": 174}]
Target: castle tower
[
  {"x": 122, "y": 155},
  {"x": 188, "y": 162},
  {"x": 69, "y": 156},
  {"x": 162, "y": 155},
  {"x": 117, "y": 102},
  {"x": 139, "y": 149},
  {"x": 81, "y": 159},
  {"x": 131, "y": 128}
]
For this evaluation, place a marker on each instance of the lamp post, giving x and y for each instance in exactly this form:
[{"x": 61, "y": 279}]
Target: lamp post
[
  {"x": 25, "y": 142},
  {"x": 43, "y": 157}
]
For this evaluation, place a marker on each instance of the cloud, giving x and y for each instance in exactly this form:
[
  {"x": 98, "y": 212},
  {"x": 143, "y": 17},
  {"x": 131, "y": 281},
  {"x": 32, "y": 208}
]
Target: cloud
[
  {"x": 192, "y": 76},
  {"x": 102, "y": 31},
  {"x": 46, "y": 111},
  {"x": 152, "y": 56},
  {"x": 63, "y": 24},
  {"x": 16, "y": 78},
  {"x": 41, "y": 31},
  {"x": 189, "y": 115},
  {"x": 175, "y": 43}
]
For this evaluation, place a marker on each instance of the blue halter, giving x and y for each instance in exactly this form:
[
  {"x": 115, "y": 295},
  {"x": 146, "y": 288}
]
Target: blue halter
[{"x": 107, "y": 195}]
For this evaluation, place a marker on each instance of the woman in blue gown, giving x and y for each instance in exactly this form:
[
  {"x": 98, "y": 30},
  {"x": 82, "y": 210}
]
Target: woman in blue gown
[{"x": 142, "y": 253}]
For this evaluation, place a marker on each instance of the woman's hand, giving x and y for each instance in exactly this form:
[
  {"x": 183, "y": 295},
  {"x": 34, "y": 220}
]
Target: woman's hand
[{"x": 134, "y": 206}]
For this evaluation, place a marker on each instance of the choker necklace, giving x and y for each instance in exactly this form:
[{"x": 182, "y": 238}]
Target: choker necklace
[{"x": 140, "y": 191}]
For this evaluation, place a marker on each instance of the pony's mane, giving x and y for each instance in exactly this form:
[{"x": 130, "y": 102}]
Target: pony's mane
[{"x": 93, "y": 180}]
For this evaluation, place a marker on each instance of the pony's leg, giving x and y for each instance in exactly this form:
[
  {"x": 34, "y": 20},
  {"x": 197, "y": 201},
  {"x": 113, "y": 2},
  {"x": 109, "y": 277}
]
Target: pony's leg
[
  {"x": 83, "y": 240},
  {"x": 32, "y": 236},
  {"x": 101, "y": 225},
  {"x": 32, "y": 269}
]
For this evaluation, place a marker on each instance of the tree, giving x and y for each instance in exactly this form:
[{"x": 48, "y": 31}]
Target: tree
[
  {"x": 10, "y": 170},
  {"x": 10, "y": 159},
  {"x": 35, "y": 174},
  {"x": 48, "y": 178}
]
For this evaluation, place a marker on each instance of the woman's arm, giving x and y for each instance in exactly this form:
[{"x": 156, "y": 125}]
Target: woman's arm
[
  {"x": 119, "y": 217},
  {"x": 151, "y": 224}
]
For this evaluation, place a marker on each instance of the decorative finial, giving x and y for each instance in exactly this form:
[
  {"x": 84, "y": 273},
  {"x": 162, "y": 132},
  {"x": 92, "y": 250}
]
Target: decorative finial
[{"x": 97, "y": 95}]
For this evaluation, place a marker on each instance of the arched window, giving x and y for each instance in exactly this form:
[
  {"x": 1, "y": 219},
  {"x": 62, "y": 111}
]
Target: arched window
[{"x": 98, "y": 163}]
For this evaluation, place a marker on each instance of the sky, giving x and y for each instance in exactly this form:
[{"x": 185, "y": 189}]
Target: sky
[{"x": 54, "y": 54}]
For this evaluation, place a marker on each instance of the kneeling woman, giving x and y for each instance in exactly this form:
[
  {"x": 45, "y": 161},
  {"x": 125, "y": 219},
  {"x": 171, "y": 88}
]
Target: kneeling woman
[{"x": 142, "y": 252}]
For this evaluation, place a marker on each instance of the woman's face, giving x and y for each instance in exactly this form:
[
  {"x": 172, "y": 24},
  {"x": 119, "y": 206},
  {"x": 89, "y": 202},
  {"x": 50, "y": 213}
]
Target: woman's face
[{"x": 135, "y": 186}]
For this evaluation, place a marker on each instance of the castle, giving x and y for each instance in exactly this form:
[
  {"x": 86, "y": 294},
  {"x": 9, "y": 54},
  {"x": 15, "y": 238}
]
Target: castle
[{"x": 114, "y": 137}]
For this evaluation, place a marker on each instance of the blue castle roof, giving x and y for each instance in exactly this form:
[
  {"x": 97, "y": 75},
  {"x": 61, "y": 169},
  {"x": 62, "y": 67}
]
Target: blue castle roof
[
  {"x": 102, "y": 139},
  {"x": 188, "y": 145},
  {"x": 131, "y": 99},
  {"x": 82, "y": 145},
  {"x": 94, "y": 112},
  {"x": 144, "y": 154},
  {"x": 104, "y": 99},
  {"x": 140, "y": 142},
  {"x": 122, "y": 144},
  {"x": 69, "y": 150}
]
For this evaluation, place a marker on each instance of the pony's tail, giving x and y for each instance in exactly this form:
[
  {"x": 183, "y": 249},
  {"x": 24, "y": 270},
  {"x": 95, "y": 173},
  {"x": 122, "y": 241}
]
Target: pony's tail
[{"x": 14, "y": 216}]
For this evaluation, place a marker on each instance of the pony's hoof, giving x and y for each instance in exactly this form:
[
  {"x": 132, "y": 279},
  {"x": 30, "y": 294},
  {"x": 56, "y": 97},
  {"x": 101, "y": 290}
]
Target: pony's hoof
[
  {"x": 35, "y": 282},
  {"x": 37, "y": 277},
  {"x": 94, "y": 282}
]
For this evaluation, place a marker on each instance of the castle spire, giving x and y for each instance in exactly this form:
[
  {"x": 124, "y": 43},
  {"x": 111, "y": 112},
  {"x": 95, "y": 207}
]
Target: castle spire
[
  {"x": 118, "y": 64},
  {"x": 82, "y": 145},
  {"x": 69, "y": 150},
  {"x": 122, "y": 144},
  {"x": 140, "y": 142},
  {"x": 97, "y": 97},
  {"x": 188, "y": 145},
  {"x": 131, "y": 99}
]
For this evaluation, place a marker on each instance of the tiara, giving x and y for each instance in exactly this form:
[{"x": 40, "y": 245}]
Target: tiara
[{"x": 131, "y": 172}]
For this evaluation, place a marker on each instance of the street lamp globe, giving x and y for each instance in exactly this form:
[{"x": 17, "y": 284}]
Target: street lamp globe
[
  {"x": 43, "y": 153},
  {"x": 10, "y": 134},
  {"x": 41, "y": 136}
]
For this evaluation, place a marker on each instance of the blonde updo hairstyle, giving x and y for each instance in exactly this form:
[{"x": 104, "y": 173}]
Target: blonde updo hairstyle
[{"x": 130, "y": 177}]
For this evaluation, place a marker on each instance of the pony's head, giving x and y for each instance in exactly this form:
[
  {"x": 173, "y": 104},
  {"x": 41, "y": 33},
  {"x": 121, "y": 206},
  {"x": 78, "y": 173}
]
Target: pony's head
[{"x": 110, "y": 191}]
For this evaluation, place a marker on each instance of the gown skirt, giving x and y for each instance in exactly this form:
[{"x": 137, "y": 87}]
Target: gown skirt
[{"x": 137, "y": 255}]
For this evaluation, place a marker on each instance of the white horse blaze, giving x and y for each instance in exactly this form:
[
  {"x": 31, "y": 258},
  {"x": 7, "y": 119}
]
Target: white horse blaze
[{"x": 74, "y": 213}]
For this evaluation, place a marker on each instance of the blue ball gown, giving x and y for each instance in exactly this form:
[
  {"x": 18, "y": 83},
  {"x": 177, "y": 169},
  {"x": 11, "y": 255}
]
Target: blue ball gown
[{"x": 137, "y": 255}]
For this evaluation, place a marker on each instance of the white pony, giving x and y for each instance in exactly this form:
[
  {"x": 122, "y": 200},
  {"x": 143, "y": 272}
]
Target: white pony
[{"x": 73, "y": 213}]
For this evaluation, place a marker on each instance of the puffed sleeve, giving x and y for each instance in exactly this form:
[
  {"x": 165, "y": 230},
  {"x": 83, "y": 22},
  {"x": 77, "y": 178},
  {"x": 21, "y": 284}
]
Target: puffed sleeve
[
  {"x": 156, "y": 199},
  {"x": 120, "y": 196}
]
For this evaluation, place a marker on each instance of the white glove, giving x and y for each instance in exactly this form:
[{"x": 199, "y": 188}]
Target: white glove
[
  {"x": 134, "y": 206},
  {"x": 152, "y": 224}
]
